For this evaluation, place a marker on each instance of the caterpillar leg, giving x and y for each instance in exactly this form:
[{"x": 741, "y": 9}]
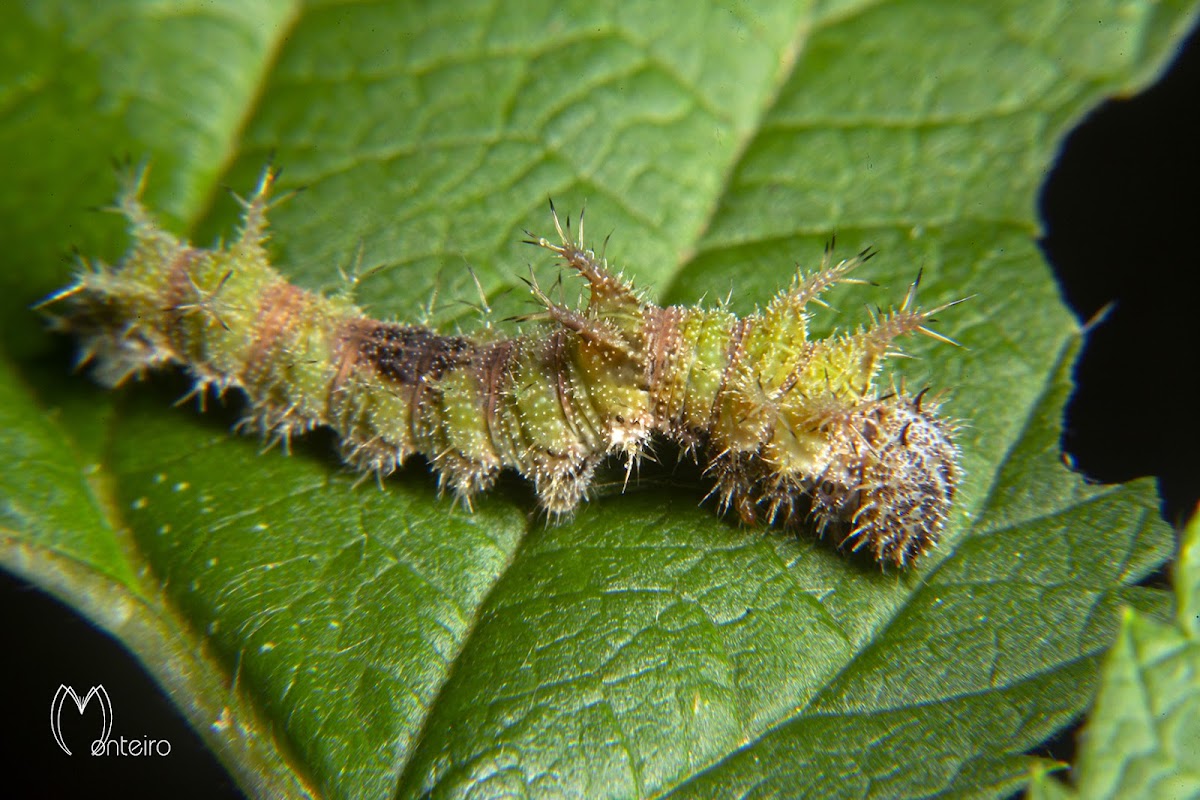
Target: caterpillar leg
[{"x": 562, "y": 482}]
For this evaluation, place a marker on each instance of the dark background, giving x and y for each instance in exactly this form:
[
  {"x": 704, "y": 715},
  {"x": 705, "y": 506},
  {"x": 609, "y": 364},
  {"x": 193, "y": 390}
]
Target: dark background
[{"x": 1121, "y": 211}]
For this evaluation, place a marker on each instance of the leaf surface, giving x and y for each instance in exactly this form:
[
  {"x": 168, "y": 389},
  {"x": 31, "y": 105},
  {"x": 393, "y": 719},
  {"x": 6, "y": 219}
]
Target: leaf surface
[{"x": 1140, "y": 739}]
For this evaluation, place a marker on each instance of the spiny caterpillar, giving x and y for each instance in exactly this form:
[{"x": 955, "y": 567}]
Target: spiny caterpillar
[{"x": 791, "y": 429}]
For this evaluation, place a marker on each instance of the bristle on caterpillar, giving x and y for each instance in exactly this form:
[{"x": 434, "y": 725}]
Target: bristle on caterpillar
[{"x": 791, "y": 430}]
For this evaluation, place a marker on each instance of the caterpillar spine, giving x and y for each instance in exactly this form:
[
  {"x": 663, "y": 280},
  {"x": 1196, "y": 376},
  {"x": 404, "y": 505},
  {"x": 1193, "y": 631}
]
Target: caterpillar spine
[{"x": 792, "y": 430}]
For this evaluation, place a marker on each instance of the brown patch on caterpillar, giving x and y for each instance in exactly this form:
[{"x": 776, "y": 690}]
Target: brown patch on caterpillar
[
  {"x": 181, "y": 295},
  {"x": 663, "y": 343},
  {"x": 733, "y": 357},
  {"x": 556, "y": 345},
  {"x": 280, "y": 305},
  {"x": 493, "y": 361},
  {"x": 793, "y": 430},
  {"x": 409, "y": 355}
]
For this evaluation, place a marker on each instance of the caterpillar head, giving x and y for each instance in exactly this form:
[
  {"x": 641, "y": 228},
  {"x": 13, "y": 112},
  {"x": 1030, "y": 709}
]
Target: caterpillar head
[
  {"x": 890, "y": 478},
  {"x": 884, "y": 479}
]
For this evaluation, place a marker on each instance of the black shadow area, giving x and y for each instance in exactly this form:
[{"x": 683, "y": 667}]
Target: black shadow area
[
  {"x": 46, "y": 645},
  {"x": 1121, "y": 210}
]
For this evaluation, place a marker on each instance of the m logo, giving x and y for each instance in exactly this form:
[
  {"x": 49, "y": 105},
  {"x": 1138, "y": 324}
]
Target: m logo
[{"x": 106, "y": 715}]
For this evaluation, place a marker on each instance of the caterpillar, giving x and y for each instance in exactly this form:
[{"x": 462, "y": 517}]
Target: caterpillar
[{"x": 791, "y": 430}]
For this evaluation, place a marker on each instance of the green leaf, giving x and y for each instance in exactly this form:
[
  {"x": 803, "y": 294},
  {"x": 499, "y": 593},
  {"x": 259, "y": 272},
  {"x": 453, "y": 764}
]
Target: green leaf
[
  {"x": 344, "y": 641},
  {"x": 1140, "y": 740}
]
